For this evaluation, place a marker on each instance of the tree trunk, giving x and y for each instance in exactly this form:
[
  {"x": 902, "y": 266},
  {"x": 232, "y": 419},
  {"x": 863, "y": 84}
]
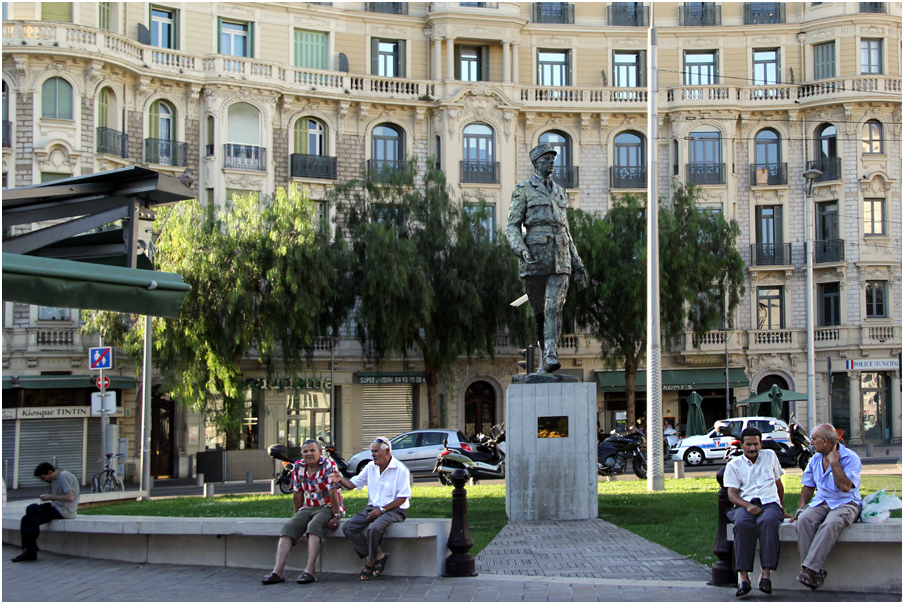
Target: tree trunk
[
  {"x": 432, "y": 405},
  {"x": 631, "y": 389}
]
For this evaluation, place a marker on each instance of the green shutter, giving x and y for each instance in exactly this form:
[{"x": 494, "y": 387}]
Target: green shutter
[
  {"x": 311, "y": 49},
  {"x": 154, "y": 120},
  {"x": 326, "y": 139},
  {"x": 301, "y": 135},
  {"x": 103, "y": 109},
  {"x": 56, "y": 11},
  {"x": 49, "y": 98},
  {"x": 104, "y": 10},
  {"x": 210, "y": 127},
  {"x": 176, "y": 30},
  {"x": 777, "y": 213},
  {"x": 219, "y": 35},
  {"x": 251, "y": 40},
  {"x": 484, "y": 74},
  {"x": 375, "y": 56},
  {"x": 568, "y": 67},
  {"x": 642, "y": 68},
  {"x": 400, "y": 59},
  {"x": 457, "y": 62}
]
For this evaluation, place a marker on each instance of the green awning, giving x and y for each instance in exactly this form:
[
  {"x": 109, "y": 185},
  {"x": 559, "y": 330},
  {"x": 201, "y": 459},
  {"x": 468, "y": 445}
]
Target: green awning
[
  {"x": 41, "y": 382},
  {"x": 676, "y": 379},
  {"x": 56, "y": 283},
  {"x": 763, "y": 397}
]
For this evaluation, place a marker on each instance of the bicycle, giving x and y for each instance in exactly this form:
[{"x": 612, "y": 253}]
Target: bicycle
[{"x": 106, "y": 480}]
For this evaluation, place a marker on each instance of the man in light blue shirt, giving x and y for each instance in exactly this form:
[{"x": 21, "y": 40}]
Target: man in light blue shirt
[{"x": 829, "y": 501}]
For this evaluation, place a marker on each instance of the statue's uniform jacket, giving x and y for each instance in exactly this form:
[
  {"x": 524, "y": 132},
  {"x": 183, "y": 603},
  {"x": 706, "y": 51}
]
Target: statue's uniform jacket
[{"x": 548, "y": 238}]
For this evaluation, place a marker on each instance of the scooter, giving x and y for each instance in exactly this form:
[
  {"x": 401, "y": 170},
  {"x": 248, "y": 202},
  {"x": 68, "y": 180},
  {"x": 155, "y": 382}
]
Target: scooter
[
  {"x": 797, "y": 453},
  {"x": 484, "y": 460},
  {"x": 670, "y": 439},
  {"x": 614, "y": 453},
  {"x": 284, "y": 477},
  {"x": 341, "y": 464}
]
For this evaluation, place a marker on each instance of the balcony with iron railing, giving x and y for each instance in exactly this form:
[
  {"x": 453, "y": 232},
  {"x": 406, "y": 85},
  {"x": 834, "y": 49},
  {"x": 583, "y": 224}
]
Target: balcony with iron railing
[
  {"x": 553, "y": 12},
  {"x": 383, "y": 169},
  {"x": 873, "y": 7},
  {"x": 165, "y": 152},
  {"x": 631, "y": 14},
  {"x": 829, "y": 166},
  {"x": 706, "y": 14},
  {"x": 768, "y": 174},
  {"x": 313, "y": 166},
  {"x": 7, "y": 134},
  {"x": 831, "y": 250},
  {"x": 770, "y": 254},
  {"x": 707, "y": 173},
  {"x": 764, "y": 13},
  {"x": 112, "y": 142},
  {"x": 392, "y": 8},
  {"x": 566, "y": 176},
  {"x": 245, "y": 157},
  {"x": 479, "y": 171},
  {"x": 627, "y": 177}
]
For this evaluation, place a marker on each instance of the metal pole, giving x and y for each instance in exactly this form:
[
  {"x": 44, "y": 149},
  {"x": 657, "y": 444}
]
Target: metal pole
[
  {"x": 810, "y": 175},
  {"x": 725, "y": 335},
  {"x": 103, "y": 415},
  {"x": 145, "y": 484},
  {"x": 655, "y": 470},
  {"x": 333, "y": 438}
]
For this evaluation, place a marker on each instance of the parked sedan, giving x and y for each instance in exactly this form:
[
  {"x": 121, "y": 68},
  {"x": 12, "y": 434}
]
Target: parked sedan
[
  {"x": 709, "y": 447},
  {"x": 416, "y": 449}
]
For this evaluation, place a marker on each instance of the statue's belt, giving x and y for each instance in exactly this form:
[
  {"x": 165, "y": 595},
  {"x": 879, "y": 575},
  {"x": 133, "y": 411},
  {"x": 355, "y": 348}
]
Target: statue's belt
[{"x": 545, "y": 230}]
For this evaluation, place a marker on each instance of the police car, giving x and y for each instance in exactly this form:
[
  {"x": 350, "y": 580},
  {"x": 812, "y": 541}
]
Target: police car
[{"x": 694, "y": 450}]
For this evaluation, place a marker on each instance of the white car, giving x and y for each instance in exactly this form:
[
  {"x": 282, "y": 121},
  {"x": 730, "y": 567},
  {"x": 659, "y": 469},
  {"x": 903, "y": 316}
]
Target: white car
[
  {"x": 709, "y": 447},
  {"x": 416, "y": 449}
]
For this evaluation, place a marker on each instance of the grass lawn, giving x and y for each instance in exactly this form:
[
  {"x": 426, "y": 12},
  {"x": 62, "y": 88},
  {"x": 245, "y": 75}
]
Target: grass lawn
[{"x": 682, "y": 518}]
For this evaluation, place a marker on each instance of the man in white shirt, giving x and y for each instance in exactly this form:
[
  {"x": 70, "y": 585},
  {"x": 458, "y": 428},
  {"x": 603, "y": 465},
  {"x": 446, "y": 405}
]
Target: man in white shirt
[
  {"x": 754, "y": 482},
  {"x": 388, "y": 491}
]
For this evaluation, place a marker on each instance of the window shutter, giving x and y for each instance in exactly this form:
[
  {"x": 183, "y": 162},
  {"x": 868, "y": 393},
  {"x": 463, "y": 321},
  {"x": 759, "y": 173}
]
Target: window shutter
[
  {"x": 716, "y": 67},
  {"x": 299, "y": 48},
  {"x": 301, "y": 137},
  {"x": 250, "y": 41},
  {"x": 401, "y": 59},
  {"x": 56, "y": 11},
  {"x": 103, "y": 108},
  {"x": 568, "y": 68},
  {"x": 777, "y": 212},
  {"x": 154, "y": 120},
  {"x": 375, "y": 56},
  {"x": 219, "y": 35},
  {"x": 484, "y": 75},
  {"x": 458, "y": 62},
  {"x": 48, "y": 98},
  {"x": 642, "y": 68},
  {"x": 175, "y": 30},
  {"x": 64, "y": 99},
  {"x": 326, "y": 139}
]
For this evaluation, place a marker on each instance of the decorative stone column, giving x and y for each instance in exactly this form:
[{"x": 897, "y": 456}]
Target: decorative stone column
[
  {"x": 515, "y": 64},
  {"x": 437, "y": 58},
  {"x": 450, "y": 58},
  {"x": 854, "y": 438},
  {"x": 506, "y": 62},
  {"x": 895, "y": 408}
]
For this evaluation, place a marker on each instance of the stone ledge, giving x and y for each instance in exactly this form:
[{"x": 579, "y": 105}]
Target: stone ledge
[{"x": 545, "y": 378}]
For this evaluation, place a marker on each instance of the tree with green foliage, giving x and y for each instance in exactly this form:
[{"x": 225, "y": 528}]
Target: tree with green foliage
[
  {"x": 431, "y": 278},
  {"x": 265, "y": 284},
  {"x": 699, "y": 262}
]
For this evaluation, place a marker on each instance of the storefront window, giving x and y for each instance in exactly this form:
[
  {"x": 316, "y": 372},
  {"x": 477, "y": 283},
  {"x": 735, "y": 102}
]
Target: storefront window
[
  {"x": 875, "y": 405},
  {"x": 308, "y": 416}
]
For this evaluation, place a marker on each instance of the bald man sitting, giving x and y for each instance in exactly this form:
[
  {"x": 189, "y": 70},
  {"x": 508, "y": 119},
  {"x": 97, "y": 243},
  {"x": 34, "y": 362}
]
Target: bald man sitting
[{"x": 829, "y": 501}]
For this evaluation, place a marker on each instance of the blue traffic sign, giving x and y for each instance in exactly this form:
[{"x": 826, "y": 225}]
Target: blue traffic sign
[{"x": 100, "y": 358}]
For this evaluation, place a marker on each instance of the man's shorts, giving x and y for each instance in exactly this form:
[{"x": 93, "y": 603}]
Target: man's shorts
[{"x": 311, "y": 521}]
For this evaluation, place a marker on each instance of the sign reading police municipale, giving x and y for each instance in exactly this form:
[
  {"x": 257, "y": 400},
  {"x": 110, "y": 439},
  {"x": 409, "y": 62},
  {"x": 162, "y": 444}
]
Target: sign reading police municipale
[{"x": 871, "y": 364}]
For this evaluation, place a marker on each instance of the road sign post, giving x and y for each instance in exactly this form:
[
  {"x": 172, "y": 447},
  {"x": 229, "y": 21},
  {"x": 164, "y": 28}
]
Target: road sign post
[{"x": 101, "y": 358}]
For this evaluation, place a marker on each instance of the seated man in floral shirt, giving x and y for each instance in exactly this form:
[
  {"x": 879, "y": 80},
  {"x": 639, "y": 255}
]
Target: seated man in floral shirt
[{"x": 317, "y": 507}]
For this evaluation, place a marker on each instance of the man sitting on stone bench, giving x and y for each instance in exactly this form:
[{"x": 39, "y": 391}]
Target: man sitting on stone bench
[
  {"x": 62, "y": 502},
  {"x": 833, "y": 474}
]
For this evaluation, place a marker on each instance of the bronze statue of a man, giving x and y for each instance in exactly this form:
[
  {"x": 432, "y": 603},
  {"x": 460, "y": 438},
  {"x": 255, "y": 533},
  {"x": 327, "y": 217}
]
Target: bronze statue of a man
[{"x": 546, "y": 250}]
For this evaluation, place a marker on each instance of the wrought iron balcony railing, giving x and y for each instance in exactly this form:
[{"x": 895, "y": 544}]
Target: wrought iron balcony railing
[
  {"x": 762, "y": 13},
  {"x": 873, "y": 7},
  {"x": 313, "y": 166},
  {"x": 7, "y": 134},
  {"x": 830, "y": 250},
  {"x": 829, "y": 166},
  {"x": 245, "y": 157},
  {"x": 770, "y": 254},
  {"x": 480, "y": 171},
  {"x": 112, "y": 142},
  {"x": 553, "y": 12},
  {"x": 627, "y": 177},
  {"x": 631, "y": 14},
  {"x": 709, "y": 173},
  {"x": 768, "y": 174},
  {"x": 164, "y": 152},
  {"x": 704, "y": 14},
  {"x": 393, "y": 8},
  {"x": 383, "y": 169},
  {"x": 566, "y": 176}
]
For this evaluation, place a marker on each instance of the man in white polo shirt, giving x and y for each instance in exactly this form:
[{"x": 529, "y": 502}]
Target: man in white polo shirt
[
  {"x": 388, "y": 491},
  {"x": 754, "y": 482}
]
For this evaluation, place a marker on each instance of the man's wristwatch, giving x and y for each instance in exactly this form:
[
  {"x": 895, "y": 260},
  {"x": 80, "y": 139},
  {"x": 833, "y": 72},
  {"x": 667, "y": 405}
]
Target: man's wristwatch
[
  {"x": 338, "y": 516},
  {"x": 382, "y": 510}
]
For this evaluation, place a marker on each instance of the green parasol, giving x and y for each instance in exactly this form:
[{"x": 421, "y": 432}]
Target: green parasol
[{"x": 695, "y": 421}]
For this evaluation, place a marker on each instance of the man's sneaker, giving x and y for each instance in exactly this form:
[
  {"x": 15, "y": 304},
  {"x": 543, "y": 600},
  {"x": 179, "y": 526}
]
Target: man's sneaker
[{"x": 27, "y": 555}]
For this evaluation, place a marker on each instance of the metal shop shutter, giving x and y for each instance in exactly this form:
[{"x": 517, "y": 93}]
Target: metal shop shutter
[
  {"x": 93, "y": 457},
  {"x": 385, "y": 411},
  {"x": 44, "y": 439},
  {"x": 9, "y": 452}
]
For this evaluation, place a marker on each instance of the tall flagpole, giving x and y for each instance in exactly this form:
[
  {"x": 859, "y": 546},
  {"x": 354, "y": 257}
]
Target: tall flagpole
[{"x": 655, "y": 470}]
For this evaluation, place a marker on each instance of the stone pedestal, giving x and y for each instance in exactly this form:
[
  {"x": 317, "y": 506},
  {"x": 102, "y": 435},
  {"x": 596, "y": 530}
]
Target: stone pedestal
[{"x": 551, "y": 478}]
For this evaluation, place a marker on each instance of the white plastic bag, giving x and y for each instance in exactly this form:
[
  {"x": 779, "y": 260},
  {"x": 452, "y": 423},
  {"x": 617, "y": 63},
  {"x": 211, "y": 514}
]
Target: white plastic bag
[{"x": 877, "y": 506}]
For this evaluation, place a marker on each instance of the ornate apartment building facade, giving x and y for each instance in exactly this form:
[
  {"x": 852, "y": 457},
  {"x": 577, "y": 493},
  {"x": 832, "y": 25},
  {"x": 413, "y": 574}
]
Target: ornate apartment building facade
[{"x": 254, "y": 96}]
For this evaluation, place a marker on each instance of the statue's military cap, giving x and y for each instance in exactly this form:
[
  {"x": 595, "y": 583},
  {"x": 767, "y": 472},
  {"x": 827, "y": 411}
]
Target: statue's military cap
[{"x": 541, "y": 149}]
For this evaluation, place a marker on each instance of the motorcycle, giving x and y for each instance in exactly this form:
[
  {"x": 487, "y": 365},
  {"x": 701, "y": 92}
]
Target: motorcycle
[
  {"x": 284, "y": 476},
  {"x": 797, "y": 453},
  {"x": 670, "y": 440},
  {"x": 485, "y": 459},
  {"x": 614, "y": 453}
]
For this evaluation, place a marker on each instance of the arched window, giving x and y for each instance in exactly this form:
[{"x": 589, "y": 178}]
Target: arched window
[
  {"x": 310, "y": 136},
  {"x": 705, "y": 165},
  {"x": 827, "y": 160},
  {"x": 629, "y": 171},
  {"x": 872, "y": 137},
  {"x": 243, "y": 149},
  {"x": 564, "y": 173},
  {"x": 211, "y": 135},
  {"x": 56, "y": 99},
  {"x": 162, "y": 147},
  {"x": 768, "y": 168},
  {"x": 387, "y": 150},
  {"x": 478, "y": 163},
  {"x": 104, "y": 108},
  {"x": 109, "y": 139}
]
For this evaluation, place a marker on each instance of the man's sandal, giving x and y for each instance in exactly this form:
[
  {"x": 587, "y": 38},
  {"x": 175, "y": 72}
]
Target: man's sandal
[
  {"x": 273, "y": 578},
  {"x": 380, "y": 565},
  {"x": 367, "y": 573},
  {"x": 306, "y": 577},
  {"x": 819, "y": 579}
]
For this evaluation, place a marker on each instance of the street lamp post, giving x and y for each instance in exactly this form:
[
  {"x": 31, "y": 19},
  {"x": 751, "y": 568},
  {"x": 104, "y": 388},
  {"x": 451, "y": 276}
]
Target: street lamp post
[{"x": 810, "y": 175}]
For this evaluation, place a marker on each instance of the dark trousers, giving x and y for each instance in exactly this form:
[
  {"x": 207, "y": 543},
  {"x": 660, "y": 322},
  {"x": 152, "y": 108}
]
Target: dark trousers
[
  {"x": 35, "y": 515},
  {"x": 748, "y": 528},
  {"x": 365, "y": 535}
]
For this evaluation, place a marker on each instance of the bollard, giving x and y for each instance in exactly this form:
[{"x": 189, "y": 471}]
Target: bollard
[
  {"x": 679, "y": 469},
  {"x": 723, "y": 573},
  {"x": 249, "y": 477},
  {"x": 199, "y": 479},
  {"x": 869, "y": 450},
  {"x": 460, "y": 563},
  {"x": 208, "y": 489},
  {"x": 274, "y": 488}
]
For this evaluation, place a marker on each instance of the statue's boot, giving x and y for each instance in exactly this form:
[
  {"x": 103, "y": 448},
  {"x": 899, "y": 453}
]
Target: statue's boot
[
  {"x": 539, "y": 321},
  {"x": 550, "y": 357}
]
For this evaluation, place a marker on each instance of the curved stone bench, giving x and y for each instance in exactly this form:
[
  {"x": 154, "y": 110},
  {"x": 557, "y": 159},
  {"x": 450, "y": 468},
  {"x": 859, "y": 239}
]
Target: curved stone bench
[
  {"x": 417, "y": 545},
  {"x": 866, "y": 558}
]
